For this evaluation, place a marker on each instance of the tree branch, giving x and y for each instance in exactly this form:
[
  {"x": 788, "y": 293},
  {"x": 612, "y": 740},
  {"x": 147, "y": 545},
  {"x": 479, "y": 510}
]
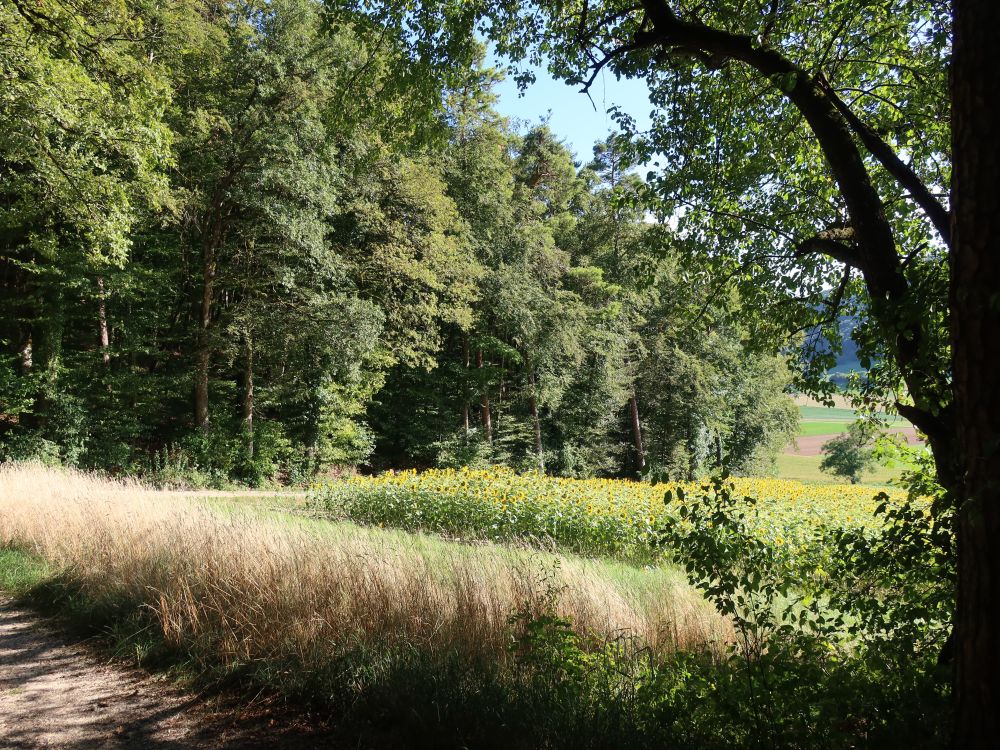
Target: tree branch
[
  {"x": 872, "y": 248},
  {"x": 600, "y": 65},
  {"x": 904, "y": 175},
  {"x": 874, "y": 234},
  {"x": 831, "y": 242},
  {"x": 935, "y": 426},
  {"x": 834, "y": 303}
]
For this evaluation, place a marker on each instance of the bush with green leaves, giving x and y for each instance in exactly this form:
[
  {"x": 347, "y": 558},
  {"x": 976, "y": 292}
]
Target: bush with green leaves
[
  {"x": 838, "y": 636},
  {"x": 898, "y": 582}
]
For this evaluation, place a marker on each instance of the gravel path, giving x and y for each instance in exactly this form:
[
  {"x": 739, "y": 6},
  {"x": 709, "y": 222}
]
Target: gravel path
[{"x": 56, "y": 693}]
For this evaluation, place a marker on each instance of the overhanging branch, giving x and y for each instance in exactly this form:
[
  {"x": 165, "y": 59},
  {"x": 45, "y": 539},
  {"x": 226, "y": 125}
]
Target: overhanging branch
[
  {"x": 895, "y": 166},
  {"x": 874, "y": 235},
  {"x": 872, "y": 246},
  {"x": 832, "y": 243}
]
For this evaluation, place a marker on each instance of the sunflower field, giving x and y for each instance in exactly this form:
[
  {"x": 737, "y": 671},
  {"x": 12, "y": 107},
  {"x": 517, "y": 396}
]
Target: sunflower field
[{"x": 598, "y": 517}]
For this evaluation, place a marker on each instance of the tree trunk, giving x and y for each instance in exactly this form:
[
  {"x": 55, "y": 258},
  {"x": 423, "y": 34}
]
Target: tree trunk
[
  {"x": 102, "y": 317},
  {"x": 248, "y": 399},
  {"x": 484, "y": 403},
  {"x": 465, "y": 387},
  {"x": 633, "y": 408},
  {"x": 536, "y": 422},
  {"x": 204, "y": 355},
  {"x": 975, "y": 331},
  {"x": 26, "y": 356},
  {"x": 47, "y": 330}
]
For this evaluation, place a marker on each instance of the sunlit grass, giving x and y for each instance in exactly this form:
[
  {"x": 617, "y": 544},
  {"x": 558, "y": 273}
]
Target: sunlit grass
[
  {"x": 806, "y": 469},
  {"x": 251, "y": 584}
]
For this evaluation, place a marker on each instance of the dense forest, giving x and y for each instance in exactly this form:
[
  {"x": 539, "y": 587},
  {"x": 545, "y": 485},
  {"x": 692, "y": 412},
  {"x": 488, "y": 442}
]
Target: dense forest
[{"x": 239, "y": 242}]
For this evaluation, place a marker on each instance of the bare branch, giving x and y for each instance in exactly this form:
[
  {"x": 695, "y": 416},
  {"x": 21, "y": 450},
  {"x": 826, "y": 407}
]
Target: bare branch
[{"x": 603, "y": 63}]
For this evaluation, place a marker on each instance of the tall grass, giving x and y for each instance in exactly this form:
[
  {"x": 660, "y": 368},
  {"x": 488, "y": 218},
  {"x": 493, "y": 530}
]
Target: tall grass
[{"x": 324, "y": 610}]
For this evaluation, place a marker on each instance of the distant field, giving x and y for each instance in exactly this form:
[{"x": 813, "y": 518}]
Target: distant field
[
  {"x": 822, "y": 427},
  {"x": 806, "y": 469},
  {"x": 822, "y": 420},
  {"x": 838, "y": 401},
  {"x": 817, "y": 424},
  {"x": 835, "y": 414}
]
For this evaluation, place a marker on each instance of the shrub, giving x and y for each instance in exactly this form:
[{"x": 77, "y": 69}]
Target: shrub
[{"x": 837, "y": 637}]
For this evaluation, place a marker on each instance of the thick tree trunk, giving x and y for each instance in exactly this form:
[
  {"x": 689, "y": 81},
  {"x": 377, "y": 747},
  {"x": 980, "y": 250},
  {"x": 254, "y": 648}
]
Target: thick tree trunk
[
  {"x": 536, "y": 422},
  {"x": 204, "y": 354},
  {"x": 484, "y": 403},
  {"x": 102, "y": 317},
  {"x": 248, "y": 400},
  {"x": 633, "y": 409},
  {"x": 975, "y": 321}
]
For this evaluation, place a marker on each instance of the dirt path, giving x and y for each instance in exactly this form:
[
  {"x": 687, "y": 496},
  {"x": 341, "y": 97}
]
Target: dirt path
[{"x": 55, "y": 693}]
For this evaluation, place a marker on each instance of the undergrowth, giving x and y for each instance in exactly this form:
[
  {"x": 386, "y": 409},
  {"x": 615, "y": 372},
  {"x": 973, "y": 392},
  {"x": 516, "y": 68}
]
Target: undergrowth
[{"x": 442, "y": 659}]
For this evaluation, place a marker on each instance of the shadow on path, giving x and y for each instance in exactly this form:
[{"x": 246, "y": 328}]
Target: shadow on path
[{"x": 56, "y": 693}]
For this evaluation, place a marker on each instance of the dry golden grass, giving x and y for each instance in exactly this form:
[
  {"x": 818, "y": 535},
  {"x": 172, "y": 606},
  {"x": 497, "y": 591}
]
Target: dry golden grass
[{"x": 249, "y": 587}]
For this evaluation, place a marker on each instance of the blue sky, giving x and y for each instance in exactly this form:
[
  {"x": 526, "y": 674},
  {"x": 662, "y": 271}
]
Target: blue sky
[{"x": 573, "y": 117}]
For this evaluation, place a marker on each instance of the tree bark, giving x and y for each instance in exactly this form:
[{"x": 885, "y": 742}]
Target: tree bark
[
  {"x": 484, "y": 403},
  {"x": 975, "y": 331},
  {"x": 536, "y": 422},
  {"x": 633, "y": 409},
  {"x": 102, "y": 316}
]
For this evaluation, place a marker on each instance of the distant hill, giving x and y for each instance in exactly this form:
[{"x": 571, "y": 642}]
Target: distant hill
[{"x": 848, "y": 359}]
